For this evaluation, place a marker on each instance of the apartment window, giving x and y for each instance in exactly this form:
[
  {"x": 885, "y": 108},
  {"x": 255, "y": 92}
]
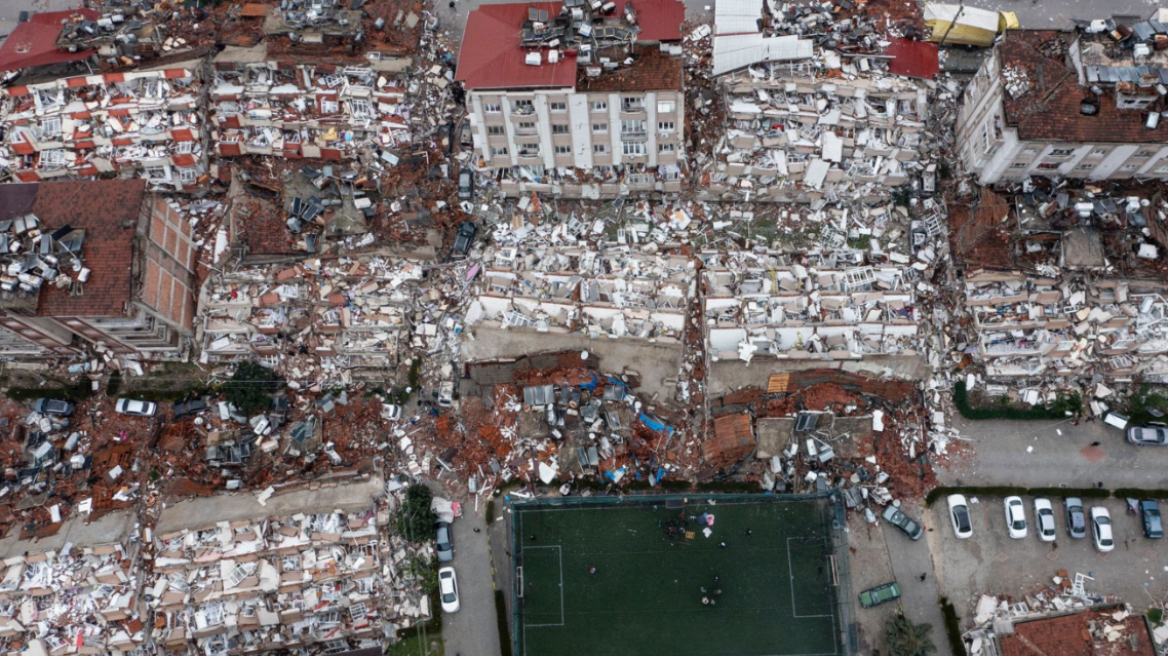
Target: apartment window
[
  {"x": 634, "y": 147},
  {"x": 1048, "y": 166},
  {"x": 559, "y": 107},
  {"x": 523, "y": 106},
  {"x": 599, "y": 106},
  {"x": 563, "y": 150},
  {"x": 492, "y": 108},
  {"x": 1099, "y": 152},
  {"x": 1029, "y": 151},
  {"x": 1129, "y": 167},
  {"x": 157, "y": 173},
  {"x": 666, "y": 126},
  {"x": 666, "y": 148},
  {"x": 526, "y": 127},
  {"x": 187, "y": 175},
  {"x": 1019, "y": 165},
  {"x": 529, "y": 150},
  {"x": 1145, "y": 153},
  {"x": 633, "y": 128},
  {"x": 1162, "y": 169},
  {"x": 1085, "y": 167},
  {"x": 600, "y": 127},
  {"x": 498, "y": 152},
  {"x": 633, "y": 104},
  {"x": 560, "y": 129},
  {"x": 1061, "y": 152},
  {"x": 329, "y": 107},
  {"x": 51, "y": 127},
  {"x": 666, "y": 106},
  {"x": 640, "y": 178},
  {"x": 495, "y": 130},
  {"x": 600, "y": 149}
]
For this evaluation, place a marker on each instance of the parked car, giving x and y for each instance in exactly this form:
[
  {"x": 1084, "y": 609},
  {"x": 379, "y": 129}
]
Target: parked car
[
  {"x": 445, "y": 540},
  {"x": 465, "y": 184},
  {"x": 959, "y": 514},
  {"x": 1076, "y": 518},
  {"x": 446, "y": 394},
  {"x": 191, "y": 407},
  {"x": 910, "y": 526},
  {"x": 448, "y": 590},
  {"x": 1044, "y": 520},
  {"x": 464, "y": 238},
  {"x": 1015, "y": 517},
  {"x": 53, "y": 407},
  {"x": 1155, "y": 434},
  {"x": 881, "y": 594},
  {"x": 1101, "y": 529},
  {"x": 136, "y": 408},
  {"x": 1153, "y": 525}
]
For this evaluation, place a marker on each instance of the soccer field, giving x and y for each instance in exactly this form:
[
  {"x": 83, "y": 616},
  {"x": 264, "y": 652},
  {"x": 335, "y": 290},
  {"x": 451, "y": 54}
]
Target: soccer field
[{"x": 771, "y": 587}]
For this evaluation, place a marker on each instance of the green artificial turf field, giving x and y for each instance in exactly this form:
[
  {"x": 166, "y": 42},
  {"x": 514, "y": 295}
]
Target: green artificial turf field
[{"x": 645, "y": 597}]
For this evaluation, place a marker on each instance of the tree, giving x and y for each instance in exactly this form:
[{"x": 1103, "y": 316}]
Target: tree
[
  {"x": 415, "y": 520},
  {"x": 907, "y": 639},
  {"x": 250, "y": 387}
]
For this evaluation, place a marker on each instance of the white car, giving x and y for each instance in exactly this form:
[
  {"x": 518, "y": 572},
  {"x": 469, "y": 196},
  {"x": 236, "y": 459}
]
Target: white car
[
  {"x": 959, "y": 514},
  {"x": 1016, "y": 517},
  {"x": 136, "y": 408},
  {"x": 1101, "y": 529},
  {"x": 448, "y": 590},
  {"x": 1044, "y": 520}
]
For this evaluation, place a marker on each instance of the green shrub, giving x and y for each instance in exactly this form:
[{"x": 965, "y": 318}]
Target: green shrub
[
  {"x": 729, "y": 487},
  {"x": 676, "y": 485},
  {"x": 1058, "y": 410},
  {"x": 1144, "y": 401},
  {"x": 1135, "y": 493},
  {"x": 114, "y": 384},
  {"x": 250, "y": 388},
  {"x": 78, "y": 391},
  {"x": 952, "y": 627},
  {"x": 1155, "y": 615},
  {"x": 944, "y": 491},
  {"x": 490, "y": 511},
  {"x": 415, "y": 519},
  {"x": 501, "y": 618}
]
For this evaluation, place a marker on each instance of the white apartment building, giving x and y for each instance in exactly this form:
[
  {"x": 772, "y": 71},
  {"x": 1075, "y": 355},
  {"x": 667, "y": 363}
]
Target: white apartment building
[
  {"x": 1083, "y": 105},
  {"x": 573, "y": 100}
]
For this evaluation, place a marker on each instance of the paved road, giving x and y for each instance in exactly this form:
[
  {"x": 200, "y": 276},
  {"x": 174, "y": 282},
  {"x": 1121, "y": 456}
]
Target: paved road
[
  {"x": 1033, "y": 453},
  {"x": 918, "y": 599},
  {"x": 1053, "y": 14},
  {"x": 472, "y": 631}
]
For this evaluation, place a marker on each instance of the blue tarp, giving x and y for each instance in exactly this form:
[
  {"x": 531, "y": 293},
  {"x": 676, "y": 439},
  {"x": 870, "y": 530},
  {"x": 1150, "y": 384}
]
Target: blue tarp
[
  {"x": 591, "y": 385},
  {"x": 654, "y": 424}
]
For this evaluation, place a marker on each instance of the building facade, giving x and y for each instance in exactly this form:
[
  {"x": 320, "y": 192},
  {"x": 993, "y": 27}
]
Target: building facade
[
  {"x": 1085, "y": 106},
  {"x": 570, "y": 101}
]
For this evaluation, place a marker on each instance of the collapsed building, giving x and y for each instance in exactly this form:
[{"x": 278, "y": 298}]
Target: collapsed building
[
  {"x": 146, "y": 121},
  {"x": 771, "y": 306},
  {"x": 805, "y": 122},
  {"x": 1065, "y": 283},
  {"x": 1082, "y": 105},
  {"x": 579, "y": 99},
  {"x": 97, "y": 266},
  {"x": 329, "y": 111},
  {"x": 620, "y": 295}
]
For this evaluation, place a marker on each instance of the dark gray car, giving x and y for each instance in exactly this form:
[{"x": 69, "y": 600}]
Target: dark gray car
[
  {"x": 1076, "y": 518},
  {"x": 445, "y": 540},
  {"x": 1150, "y": 513},
  {"x": 53, "y": 407},
  {"x": 910, "y": 526}
]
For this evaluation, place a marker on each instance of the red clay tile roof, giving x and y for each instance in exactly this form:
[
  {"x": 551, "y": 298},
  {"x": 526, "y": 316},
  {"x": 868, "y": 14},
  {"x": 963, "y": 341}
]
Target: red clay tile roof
[
  {"x": 492, "y": 56},
  {"x": 100, "y": 207},
  {"x": 913, "y": 58},
  {"x": 1049, "y": 111},
  {"x": 653, "y": 70},
  {"x": 1069, "y": 636},
  {"x": 34, "y": 43}
]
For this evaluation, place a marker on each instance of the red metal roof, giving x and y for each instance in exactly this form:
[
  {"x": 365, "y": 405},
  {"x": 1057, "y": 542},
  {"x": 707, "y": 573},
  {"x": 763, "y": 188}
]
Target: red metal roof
[
  {"x": 913, "y": 58},
  {"x": 493, "y": 58},
  {"x": 34, "y": 43}
]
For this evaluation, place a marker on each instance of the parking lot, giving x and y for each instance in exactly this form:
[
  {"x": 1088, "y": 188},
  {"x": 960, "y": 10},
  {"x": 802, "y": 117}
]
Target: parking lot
[{"x": 991, "y": 562}]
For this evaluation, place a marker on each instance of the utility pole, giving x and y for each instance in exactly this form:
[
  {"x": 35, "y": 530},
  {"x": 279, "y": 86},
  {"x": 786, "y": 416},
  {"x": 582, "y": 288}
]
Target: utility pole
[{"x": 960, "y": 10}]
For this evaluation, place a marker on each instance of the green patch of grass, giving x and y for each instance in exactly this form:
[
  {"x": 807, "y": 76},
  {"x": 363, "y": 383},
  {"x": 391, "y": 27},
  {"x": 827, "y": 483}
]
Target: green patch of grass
[
  {"x": 501, "y": 618},
  {"x": 1057, "y": 410},
  {"x": 78, "y": 391},
  {"x": 861, "y": 243},
  {"x": 418, "y": 645}
]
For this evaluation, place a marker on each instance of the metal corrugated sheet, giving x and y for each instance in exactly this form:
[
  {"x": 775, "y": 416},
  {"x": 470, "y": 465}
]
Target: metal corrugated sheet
[
  {"x": 913, "y": 58},
  {"x": 737, "y": 17},
  {"x": 777, "y": 383},
  {"x": 737, "y": 51}
]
